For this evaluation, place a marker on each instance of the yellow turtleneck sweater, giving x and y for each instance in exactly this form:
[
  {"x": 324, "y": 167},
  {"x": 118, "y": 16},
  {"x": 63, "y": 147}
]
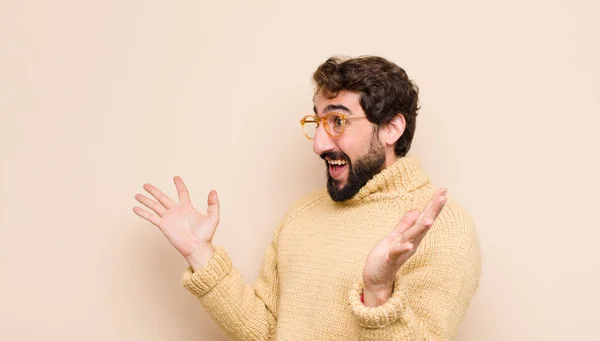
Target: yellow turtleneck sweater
[{"x": 309, "y": 285}]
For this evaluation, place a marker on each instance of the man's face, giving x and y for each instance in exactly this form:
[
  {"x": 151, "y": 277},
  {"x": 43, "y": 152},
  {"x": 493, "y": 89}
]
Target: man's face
[{"x": 353, "y": 158}]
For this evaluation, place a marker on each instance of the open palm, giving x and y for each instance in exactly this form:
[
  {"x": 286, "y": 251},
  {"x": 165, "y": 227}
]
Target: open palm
[
  {"x": 187, "y": 229},
  {"x": 386, "y": 258}
]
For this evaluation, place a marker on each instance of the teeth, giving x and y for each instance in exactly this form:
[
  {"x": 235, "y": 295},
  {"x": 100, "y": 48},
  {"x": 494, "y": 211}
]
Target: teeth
[{"x": 337, "y": 162}]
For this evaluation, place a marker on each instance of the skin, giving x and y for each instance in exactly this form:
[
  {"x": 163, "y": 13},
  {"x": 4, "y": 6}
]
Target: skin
[
  {"x": 355, "y": 140},
  {"x": 191, "y": 231}
]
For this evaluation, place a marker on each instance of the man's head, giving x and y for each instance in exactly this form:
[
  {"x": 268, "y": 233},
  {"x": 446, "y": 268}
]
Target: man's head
[{"x": 380, "y": 104}]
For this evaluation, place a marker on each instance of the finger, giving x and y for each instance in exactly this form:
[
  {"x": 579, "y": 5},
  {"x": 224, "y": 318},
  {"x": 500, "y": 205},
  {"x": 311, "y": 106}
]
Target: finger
[
  {"x": 418, "y": 229},
  {"x": 435, "y": 205},
  {"x": 398, "y": 249},
  {"x": 151, "y": 204},
  {"x": 417, "y": 239},
  {"x": 213, "y": 205},
  {"x": 182, "y": 191},
  {"x": 428, "y": 216},
  {"x": 153, "y": 218},
  {"x": 407, "y": 221},
  {"x": 160, "y": 196}
]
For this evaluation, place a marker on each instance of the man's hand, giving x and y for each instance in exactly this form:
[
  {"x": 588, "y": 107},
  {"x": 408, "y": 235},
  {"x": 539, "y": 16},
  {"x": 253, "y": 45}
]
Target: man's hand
[
  {"x": 189, "y": 231},
  {"x": 394, "y": 250}
]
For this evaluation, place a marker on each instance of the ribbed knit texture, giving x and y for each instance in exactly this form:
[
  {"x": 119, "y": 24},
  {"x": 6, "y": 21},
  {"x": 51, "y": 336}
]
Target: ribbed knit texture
[{"x": 311, "y": 278}]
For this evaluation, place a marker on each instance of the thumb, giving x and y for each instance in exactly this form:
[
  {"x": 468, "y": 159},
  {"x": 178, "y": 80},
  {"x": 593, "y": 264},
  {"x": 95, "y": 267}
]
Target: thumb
[{"x": 213, "y": 205}]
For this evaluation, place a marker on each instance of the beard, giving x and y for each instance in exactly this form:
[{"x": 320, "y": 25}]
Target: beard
[{"x": 359, "y": 172}]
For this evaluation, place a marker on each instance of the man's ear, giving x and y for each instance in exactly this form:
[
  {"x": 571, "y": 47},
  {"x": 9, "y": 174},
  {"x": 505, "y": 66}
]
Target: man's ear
[{"x": 392, "y": 131}]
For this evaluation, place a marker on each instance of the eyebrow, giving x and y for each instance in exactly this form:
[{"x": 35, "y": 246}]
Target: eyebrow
[{"x": 334, "y": 107}]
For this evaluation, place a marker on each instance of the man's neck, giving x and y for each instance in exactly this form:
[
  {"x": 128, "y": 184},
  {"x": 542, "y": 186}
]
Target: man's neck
[{"x": 390, "y": 157}]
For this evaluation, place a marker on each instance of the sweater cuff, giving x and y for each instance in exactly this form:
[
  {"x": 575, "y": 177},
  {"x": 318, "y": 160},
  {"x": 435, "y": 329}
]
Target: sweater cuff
[
  {"x": 380, "y": 316},
  {"x": 201, "y": 282}
]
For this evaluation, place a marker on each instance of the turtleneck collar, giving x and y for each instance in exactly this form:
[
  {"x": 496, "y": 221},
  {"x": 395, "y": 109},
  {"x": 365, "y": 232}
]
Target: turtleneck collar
[{"x": 404, "y": 175}]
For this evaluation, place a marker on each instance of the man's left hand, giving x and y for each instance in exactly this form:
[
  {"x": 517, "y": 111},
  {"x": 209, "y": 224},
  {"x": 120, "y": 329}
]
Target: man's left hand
[{"x": 395, "y": 249}]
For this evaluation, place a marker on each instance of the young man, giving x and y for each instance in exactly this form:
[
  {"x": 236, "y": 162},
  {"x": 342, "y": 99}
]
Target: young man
[{"x": 379, "y": 255}]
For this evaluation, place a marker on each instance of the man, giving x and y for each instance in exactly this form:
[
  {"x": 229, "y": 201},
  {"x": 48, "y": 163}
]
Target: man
[{"x": 379, "y": 255}]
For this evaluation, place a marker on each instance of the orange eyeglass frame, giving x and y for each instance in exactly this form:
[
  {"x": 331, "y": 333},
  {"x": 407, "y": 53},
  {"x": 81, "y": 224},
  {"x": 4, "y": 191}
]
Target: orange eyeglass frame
[{"x": 323, "y": 120}]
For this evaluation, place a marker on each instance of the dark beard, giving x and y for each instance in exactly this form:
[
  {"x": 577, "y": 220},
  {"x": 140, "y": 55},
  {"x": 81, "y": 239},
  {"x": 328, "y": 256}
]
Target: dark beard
[{"x": 363, "y": 170}]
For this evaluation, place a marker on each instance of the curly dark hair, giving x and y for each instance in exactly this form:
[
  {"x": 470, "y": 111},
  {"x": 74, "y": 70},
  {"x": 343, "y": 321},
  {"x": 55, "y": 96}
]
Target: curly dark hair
[{"x": 384, "y": 87}]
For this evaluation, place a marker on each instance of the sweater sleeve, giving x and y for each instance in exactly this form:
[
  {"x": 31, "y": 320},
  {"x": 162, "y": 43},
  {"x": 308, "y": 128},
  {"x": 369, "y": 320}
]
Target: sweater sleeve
[
  {"x": 432, "y": 290},
  {"x": 243, "y": 312}
]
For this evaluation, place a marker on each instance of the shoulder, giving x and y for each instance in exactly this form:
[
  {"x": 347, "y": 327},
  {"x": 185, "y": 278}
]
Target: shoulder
[
  {"x": 452, "y": 242},
  {"x": 299, "y": 207},
  {"x": 453, "y": 222},
  {"x": 305, "y": 203}
]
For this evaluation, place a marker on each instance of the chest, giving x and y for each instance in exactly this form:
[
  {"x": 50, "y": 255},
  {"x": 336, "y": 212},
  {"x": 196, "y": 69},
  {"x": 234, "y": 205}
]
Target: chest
[{"x": 333, "y": 242}]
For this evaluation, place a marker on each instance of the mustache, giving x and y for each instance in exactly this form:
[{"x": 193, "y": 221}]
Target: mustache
[{"x": 335, "y": 156}]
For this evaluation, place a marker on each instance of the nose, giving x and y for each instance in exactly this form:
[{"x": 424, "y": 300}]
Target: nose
[{"x": 322, "y": 142}]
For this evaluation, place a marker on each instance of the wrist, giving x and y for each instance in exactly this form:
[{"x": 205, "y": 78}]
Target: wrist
[
  {"x": 376, "y": 296},
  {"x": 200, "y": 257}
]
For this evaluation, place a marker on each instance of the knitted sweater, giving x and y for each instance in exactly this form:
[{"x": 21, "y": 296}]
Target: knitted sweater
[{"x": 310, "y": 282}]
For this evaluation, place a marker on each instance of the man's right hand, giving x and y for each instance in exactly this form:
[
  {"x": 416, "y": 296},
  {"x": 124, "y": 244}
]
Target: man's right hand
[{"x": 189, "y": 231}]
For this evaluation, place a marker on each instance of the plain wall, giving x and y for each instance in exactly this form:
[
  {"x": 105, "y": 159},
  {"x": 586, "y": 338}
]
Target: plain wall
[{"x": 99, "y": 97}]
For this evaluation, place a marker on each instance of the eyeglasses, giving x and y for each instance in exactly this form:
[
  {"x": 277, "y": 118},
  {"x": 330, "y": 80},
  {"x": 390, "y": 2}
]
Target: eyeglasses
[{"x": 334, "y": 124}]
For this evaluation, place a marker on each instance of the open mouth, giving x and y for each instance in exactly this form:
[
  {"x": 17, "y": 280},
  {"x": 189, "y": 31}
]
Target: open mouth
[{"x": 337, "y": 168}]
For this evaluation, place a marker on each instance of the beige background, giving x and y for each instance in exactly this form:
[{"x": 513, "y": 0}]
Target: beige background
[{"x": 97, "y": 98}]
